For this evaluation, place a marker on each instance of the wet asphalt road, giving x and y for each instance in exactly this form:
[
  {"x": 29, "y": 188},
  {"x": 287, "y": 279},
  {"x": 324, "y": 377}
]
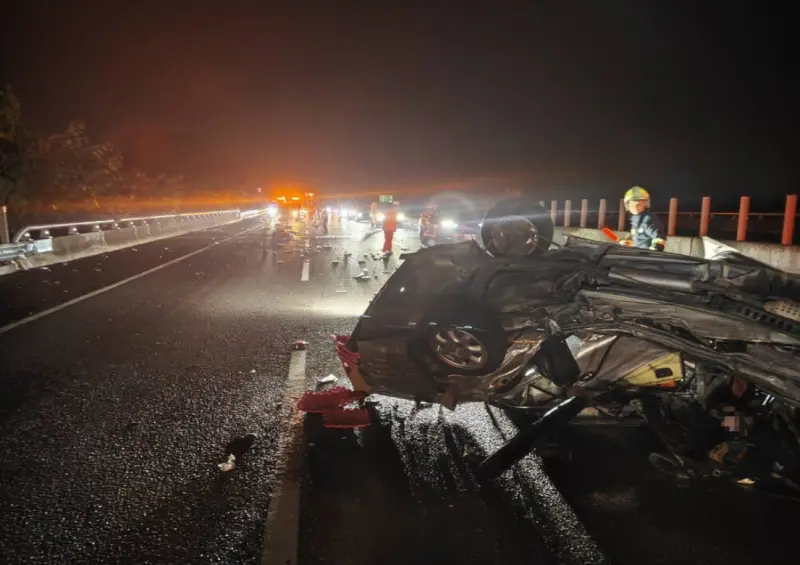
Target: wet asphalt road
[{"x": 115, "y": 412}]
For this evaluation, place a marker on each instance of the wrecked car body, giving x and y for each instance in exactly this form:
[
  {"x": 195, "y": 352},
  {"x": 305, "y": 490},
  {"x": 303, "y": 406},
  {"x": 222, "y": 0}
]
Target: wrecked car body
[{"x": 549, "y": 331}]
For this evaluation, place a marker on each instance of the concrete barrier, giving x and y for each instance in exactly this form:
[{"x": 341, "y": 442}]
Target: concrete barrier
[
  {"x": 784, "y": 257},
  {"x": 142, "y": 231},
  {"x": 120, "y": 236},
  {"x": 71, "y": 244}
]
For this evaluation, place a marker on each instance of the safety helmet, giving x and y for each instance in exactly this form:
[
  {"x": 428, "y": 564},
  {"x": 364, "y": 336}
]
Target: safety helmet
[{"x": 636, "y": 193}]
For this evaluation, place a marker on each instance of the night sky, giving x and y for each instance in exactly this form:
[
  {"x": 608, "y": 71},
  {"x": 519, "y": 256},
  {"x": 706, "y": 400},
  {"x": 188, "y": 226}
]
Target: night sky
[{"x": 569, "y": 98}]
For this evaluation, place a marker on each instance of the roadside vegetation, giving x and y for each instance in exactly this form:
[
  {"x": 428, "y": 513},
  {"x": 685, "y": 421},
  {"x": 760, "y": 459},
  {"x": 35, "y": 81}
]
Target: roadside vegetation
[{"x": 67, "y": 176}]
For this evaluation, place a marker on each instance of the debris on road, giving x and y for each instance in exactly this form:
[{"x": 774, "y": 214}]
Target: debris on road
[
  {"x": 229, "y": 464},
  {"x": 235, "y": 450},
  {"x": 300, "y": 345},
  {"x": 315, "y": 402},
  {"x": 330, "y": 379}
]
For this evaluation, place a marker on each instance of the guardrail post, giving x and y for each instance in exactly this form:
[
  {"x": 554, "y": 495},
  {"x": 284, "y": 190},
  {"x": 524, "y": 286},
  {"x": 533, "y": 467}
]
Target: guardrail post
[
  {"x": 705, "y": 216},
  {"x": 621, "y": 218},
  {"x": 584, "y": 212},
  {"x": 554, "y": 211},
  {"x": 672, "y": 219},
  {"x": 789, "y": 216},
  {"x": 601, "y": 214},
  {"x": 741, "y": 224},
  {"x": 5, "y": 237},
  {"x": 567, "y": 212}
]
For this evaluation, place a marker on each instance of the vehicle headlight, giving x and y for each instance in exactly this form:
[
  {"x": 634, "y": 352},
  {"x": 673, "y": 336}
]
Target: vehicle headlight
[
  {"x": 272, "y": 211},
  {"x": 359, "y": 214},
  {"x": 401, "y": 217},
  {"x": 480, "y": 224},
  {"x": 294, "y": 213},
  {"x": 381, "y": 216},
  {"x": 449, "y": 224}
]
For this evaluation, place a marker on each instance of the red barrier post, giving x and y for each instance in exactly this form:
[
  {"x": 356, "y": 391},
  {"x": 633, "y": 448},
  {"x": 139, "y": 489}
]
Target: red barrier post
[
  {"x": 788, "y": 219},
  {"x": 584, "y": 212},
  {"x": 554, "y": 211},
  {"x": 601, "y": 214},
  {"x": 741, "y": 224},
  {"x": 621, "y": 218},
  {"x": 705, "y": 216},
  {"x": 672, "y": 220},
  {"x": 567, "y": 212}
]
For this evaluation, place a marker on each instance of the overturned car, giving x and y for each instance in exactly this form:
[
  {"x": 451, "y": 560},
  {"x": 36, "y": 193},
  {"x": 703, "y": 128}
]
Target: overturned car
[{"x": 705, "y": 351}]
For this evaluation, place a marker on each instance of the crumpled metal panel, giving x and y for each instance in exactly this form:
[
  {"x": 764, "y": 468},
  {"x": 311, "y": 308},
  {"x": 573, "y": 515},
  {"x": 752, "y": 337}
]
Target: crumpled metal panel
[{"x": 386, "y": 367}]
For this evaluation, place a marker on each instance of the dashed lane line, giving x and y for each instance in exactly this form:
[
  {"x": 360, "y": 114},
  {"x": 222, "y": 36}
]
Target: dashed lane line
[{"x": 283, "y": 519}]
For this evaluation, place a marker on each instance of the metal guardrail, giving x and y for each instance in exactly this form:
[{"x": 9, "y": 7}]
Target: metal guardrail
[
  {"x": 43, "y": 231},
  {"x": 15, "y": 251},
  {"x": 25, "y": 245}
]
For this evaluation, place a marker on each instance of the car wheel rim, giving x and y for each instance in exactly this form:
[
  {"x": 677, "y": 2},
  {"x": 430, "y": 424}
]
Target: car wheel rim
[
  {"x": 459, "y": 349},
  {"x": 512, "y": 233}
]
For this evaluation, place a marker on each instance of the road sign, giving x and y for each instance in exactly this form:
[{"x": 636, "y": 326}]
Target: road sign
[{"x": 385, "y": 199}]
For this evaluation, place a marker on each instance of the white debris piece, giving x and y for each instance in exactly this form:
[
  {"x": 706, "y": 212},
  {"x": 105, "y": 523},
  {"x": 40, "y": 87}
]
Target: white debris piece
[
  {"x": 229, "y": 465},
  {"x": 330, "y": 379}
]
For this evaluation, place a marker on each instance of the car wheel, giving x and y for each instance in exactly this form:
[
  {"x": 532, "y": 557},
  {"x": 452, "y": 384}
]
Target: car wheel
[
  {"x": 460, "y": 337},
  {"x": 517, "y": 227}
]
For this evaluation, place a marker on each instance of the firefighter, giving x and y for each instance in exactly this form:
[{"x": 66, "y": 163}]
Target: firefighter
[
  {"x": 647, "y": 231},
  {"x": 373, "y": 215},
  {"x": 324, "y": 221},
  {"x": 428, "y": 225},
  {"x": 389, "y": 227}
]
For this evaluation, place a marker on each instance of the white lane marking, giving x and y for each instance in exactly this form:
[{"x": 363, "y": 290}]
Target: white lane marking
[
  {"x": 283, "y": 518},
  {"x": 68, "y": 303},
  {"x": 306, "y": 268}
]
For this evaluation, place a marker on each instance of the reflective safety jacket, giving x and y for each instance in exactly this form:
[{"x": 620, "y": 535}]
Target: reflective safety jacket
[
  {"x": 390, "y": 222},
  {"x": 647, "y": 232}
]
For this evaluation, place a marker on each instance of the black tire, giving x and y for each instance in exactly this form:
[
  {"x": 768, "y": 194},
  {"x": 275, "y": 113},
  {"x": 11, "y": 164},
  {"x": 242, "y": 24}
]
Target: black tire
[
  {"x": 467, "y": 317},
  {"x": 517, "y": 220}
]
